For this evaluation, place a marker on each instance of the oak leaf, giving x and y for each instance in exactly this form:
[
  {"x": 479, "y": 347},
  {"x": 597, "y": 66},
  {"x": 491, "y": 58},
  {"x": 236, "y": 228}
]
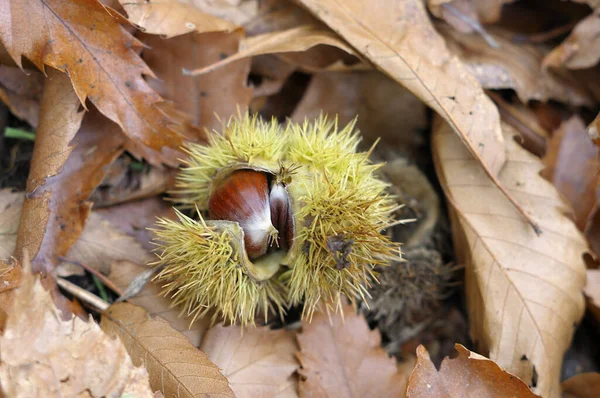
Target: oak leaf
[
  {"x": 86, "y": 40},
  {"x": 344, "y": 358},
  {"x": 176, "y": 368},
  {"x": 44, "y": 355},
  {"x": 467, "y": 375},
  {"x": 258, "y": 362},
  {"x": 524, "y": 292}
]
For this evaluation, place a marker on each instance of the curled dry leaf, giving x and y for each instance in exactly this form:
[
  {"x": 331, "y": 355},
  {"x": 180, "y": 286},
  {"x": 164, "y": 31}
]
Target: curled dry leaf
[
  {"x": 344, "y": 358},
  {"x": 43, "y": 355},
  {"x": 296, "y": 39},
  {"x": 467, "y": 375},
  {"x": 258, "y": 362},
  {"x": 584, "y": 385},
  {"x": 515, "y": 66},
  {"x": 21, "y": 92},
  {"x": 172, "y": 18},
  {"x": 524, "y": 292},
  {"x": 220, "y": 93},
  {"x": 123, "y": 274},
  {"x": 87, "y": 40},
  {"x": 68, "y": 163},
  {"x": 466, "y": 15},
  {"x": 581, "y": 49},
  {"x": 569, "y": 162},
  {"x": 176, "y": 368}
]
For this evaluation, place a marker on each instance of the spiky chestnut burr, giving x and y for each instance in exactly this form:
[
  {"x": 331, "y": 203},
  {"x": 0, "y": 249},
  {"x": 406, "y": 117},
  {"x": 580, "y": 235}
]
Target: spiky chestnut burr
[{"x": 326, "y": 206}]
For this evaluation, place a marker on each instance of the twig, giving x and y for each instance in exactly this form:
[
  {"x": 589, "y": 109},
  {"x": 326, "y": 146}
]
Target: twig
[
  {"x": 94, "y": 272},
  {"x": 82, "y": 294}
]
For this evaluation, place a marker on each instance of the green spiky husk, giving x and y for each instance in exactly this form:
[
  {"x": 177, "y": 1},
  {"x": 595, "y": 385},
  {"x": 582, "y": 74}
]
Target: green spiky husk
[{"x": 335, "y": 195}]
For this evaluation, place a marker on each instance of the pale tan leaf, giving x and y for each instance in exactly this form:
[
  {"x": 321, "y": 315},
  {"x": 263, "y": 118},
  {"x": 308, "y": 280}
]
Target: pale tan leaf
[
  {"x": 176, "y": 367},
  {"x": 123, "y": 273},
  {"x": 172, "y": 18},
  {"x": 524, "y": 292},
  {"x": 581, "y": 49},
  {"x": 467, "y": 375},
  {"x": 10, "y": 213},
  {"x": 343, "y": 358},
  {"x": 592, "y": 288},
  {"x": 515, "y": 66},
  {"x": 464, "y": 15},
  {"x": 300, "y": 38},
  {"x": 238, "y": 12},
  {"x": 44, "y": 355},
  {"x": 258, "y": 362}
]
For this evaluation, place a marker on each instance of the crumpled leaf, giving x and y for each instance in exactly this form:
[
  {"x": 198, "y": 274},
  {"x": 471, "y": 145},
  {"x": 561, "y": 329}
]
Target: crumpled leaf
[
  {"x": 583, "y": 385},
  {"x": 176, "y": 368},
  {"x": 258, "y": 362},
  {"x": 516, "y": 66},
  {"x": 123, "y": 273},
  {"x": 68, "y": 163},
  {"x": 85, "y": 39},
  {"x": 296, "y": 39},
  {"x": 172, "y": 18},
  {"x": 205, "y": 98},
  {"x": 524, "y": 292},
  {"x": 21, "y": 92},
  {"x": 43, "y": 355},
  {"x": 467, "y": 375},
  {"x": 344, "y": 358},
  {"x": 569, "y": 159},
  {"x": 581, "y": 49}
]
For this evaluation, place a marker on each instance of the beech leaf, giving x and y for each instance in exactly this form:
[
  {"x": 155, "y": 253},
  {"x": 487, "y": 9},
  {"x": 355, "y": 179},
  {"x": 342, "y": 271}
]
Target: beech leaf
[
  {"x": 258, "y": 362},
  {"x": 176, "y": 368},
  {"x": 344, "y": 358},
  {"x": 467, "y": 375},
  {"x": 524, "y": 292}
]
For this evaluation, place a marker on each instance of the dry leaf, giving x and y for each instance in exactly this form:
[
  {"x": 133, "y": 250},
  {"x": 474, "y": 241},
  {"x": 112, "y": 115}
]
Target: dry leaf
[
  {"x": 344, "y": 358},
  {"x": 523, "y": 291},
  {"x": 569, "y": 163},
  {"x": 583, "y": 385},
  {"x": 380, "y": 104},
  {"x": 465, "y": 15},
  {"x": 515, "y": 66},
  {"x": 68, "y": 163},
  {"x": 176, "y": 367},
  {"x": 467, "y": 375},
  {"x": 123, "y": 273},
  {"x": 85, "y": 39},
  {"x": 10, "y": 275},
  {"x": 202, "y": 98},
  {"x": 21, "y": 93},
  {"x": 296, "y": 39},
  {"x": 172, "y": 18},
  {"x": 10, "y": 213},
  {"x": 238, "y": 12},
  {"x": 592, "y": 289},
  {"x": 258, "y": 362},
  {"x": 43, "y": 355},
  {"x": 581, "y": 49}
]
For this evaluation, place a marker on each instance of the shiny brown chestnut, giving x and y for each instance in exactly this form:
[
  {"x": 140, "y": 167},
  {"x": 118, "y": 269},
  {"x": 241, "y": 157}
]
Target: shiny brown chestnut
[{"x": 263, "y": 212}]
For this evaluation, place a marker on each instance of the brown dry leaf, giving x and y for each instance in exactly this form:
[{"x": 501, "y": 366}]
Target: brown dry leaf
[
  {"x": 592, "y": 289},
  {"x": 176, "y": 367},
  {"x": 258, "y": 362},
  {"x": 10, "y": 275},
  {"x": 467, "y": 375},
  {"x": 10, "y": 213},
  {"x": 344, "y": 358},
  {"x": 380, "y": 104},
  {"x": 43, "y": 355},
  {"x": 581, "y": 49},
  {"x": 515, "y": 66},
  {"x": 465, "y": 15},
  {"x": 524, "y": 292},
  {"x": 172, "y": 18},
  {"x": 123, "y": 273},
  {"x": 570, "y": 164},
  {"x": 86, "y": 40},
  {"x": 583, "y": 385},
  {"x": 21, "y": 92},
  {"x": 220, "y": 93},
  {"x": 68, "y": 163},
  {"x": 296, "y": 39}
]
